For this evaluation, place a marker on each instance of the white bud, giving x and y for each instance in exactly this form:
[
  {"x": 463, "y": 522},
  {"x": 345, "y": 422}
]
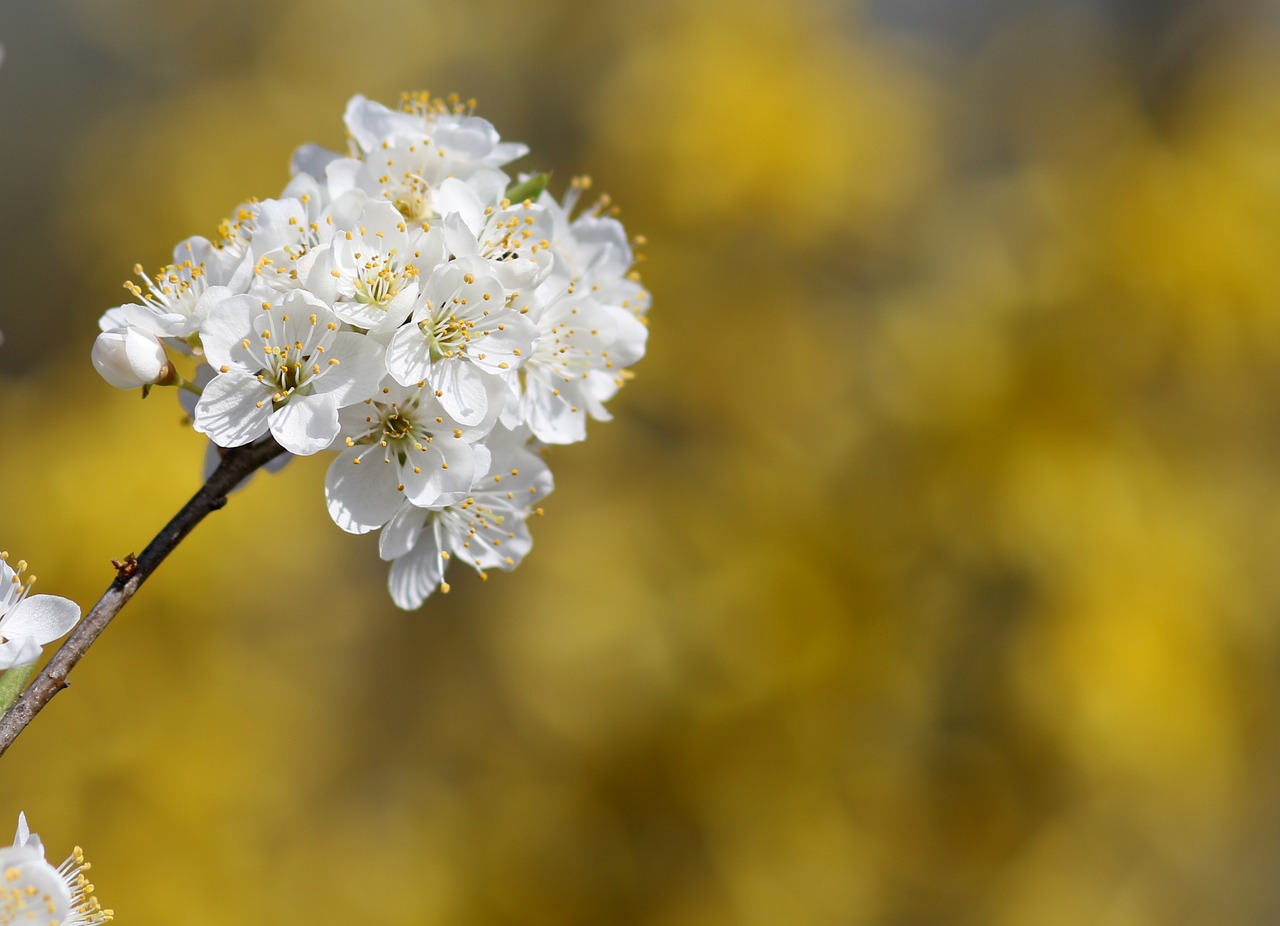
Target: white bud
[{"x": 128, "y": 357}]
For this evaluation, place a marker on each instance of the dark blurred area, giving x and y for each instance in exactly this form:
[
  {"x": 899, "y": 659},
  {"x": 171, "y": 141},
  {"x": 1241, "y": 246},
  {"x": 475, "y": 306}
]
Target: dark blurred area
[{"x": 926, "y": 574}]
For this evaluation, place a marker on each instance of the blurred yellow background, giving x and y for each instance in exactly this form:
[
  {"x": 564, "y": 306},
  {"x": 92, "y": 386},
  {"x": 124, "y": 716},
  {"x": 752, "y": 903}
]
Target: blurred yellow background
[{"x": 926, "y": 575}]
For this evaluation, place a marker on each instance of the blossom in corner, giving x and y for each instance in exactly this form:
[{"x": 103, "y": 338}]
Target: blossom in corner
[
  {"x": 28, "y": 622},
  {"x": 34, "y": 891}
]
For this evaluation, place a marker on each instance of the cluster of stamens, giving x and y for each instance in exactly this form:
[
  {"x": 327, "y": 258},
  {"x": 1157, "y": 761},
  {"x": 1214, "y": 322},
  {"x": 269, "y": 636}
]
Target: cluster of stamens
[
  {"x": 85, "y": 908},
  {"x": 174, "y": 286},
  {"x": 397, "y": 431},
  {"x": 25, "y": 900},
  {"x": 290, "y": 366},
  {"x": 17, "y": 587}
]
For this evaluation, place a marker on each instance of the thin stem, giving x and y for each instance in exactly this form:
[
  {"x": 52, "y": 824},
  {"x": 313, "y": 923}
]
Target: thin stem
[
  {"x": 235, "y": 466},
  {"x": 189, "y": 386}
]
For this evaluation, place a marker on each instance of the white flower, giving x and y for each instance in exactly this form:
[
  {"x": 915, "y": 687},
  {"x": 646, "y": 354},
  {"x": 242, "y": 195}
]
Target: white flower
[
  {"x": 281, "y": 238},
  {"x": 463, "y": 331},
  {"x": 406, "y": 306},
  {"x": 403, "y": 446},
  {"x": 460, "y": 137},
  {"x": 487, "y": 529},
  {"x": 369, "y": 274},
  {"x": 28, "y": 622},
  {"x": 32, "y": 891},
  {"x": 410, "y": 174},
  {"x": 286, "y": 369},
  {"x": 129, "y": 357},
  {"x": 514, "y": 238},
  {"x": 589, "y": 314},
  {"x": 593, "y": 252},
  {"x": 177, "y": 298}
]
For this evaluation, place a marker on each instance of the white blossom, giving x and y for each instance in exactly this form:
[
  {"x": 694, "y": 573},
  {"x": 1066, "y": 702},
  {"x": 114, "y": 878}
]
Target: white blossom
[
  {"x": 464, "y": 138},
  {"x": 32, "y": 891},
  {"x": 177, "y": 298},
  {"x": 286, "y": 369},
  {"x": 369, "y": 274},
  {"x": 395, "y": 306},
  {"x": 28, "y": 622},
  {"x": 486, "y": 530},
  {"x": 403, "y": 446},
  {"x": 464, "y": 331}
]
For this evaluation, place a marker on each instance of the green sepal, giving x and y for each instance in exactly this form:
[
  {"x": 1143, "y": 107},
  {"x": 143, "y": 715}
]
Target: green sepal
[
  {"x": 11, "y": 684},
  {"x": 529, "y": 188}
]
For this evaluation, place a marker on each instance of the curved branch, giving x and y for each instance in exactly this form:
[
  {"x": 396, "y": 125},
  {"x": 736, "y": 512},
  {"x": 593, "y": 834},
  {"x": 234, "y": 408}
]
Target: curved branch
[{"x": 236, "y": 465}]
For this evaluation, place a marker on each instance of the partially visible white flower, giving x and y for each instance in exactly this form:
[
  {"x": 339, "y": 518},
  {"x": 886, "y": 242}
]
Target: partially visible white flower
[
  {"x": 589, "y": 312},
  {"x": 460, "y": 137},
  {"x": 32, "y": 891},
  {"x": 463, "y": 331},
  {"x": 28, "y": 622},
  {"x": 486, "y": 530},
  {"x": 177, "y": 298},
  {"x": 369, "y": 274},
  {"x": 286, "y": 369},
  {"x": 403, "y": 446},
  {"x": 409, "y": 174},
  {"x": 129, "y": 357},
  {"x": 576, "y": 366},
  {"x": 513, "y": 237},
  {"x": 289, "y": 233},
  {"x": 593, "y": 251}
]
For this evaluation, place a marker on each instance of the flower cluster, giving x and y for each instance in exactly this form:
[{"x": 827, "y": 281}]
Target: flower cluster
[
  {"x": 34, "y": 891},
  {"x": 412, "y": 307}
]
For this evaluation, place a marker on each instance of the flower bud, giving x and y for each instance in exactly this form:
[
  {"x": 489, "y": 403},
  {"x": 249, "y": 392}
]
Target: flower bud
[{"x": 129, "y": 357}]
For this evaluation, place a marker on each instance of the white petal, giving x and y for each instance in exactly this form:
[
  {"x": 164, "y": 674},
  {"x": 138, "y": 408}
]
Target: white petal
[
  {"x": 455, "y": 197},
  {"x": 408, "y": 356},
  {"x": 359, "y": 370},
  {"x": 459, "y": 239},
  {"x": 505, "y": 347},
  {"x": 367, "y": 121},
  {"x": 400, "y": 535},
  {"x": 550, "y": 416},
  {"x": 18, "y": 651},
  {"x": 361, "y": 496},
  {"x": 234, "y": 409},
  {"x": 44, "y": 618},
  {"x": 24, "y": 832},
  {"x": 305, "y": 424},
  {"x": 462, "y": 388},
  {"x": 629, "y": 339},
  {"x": 414, "y": 577},
  {"x": 311, "y": 160},
  {"x": 447, "y": 470},
  {"x": 225, "y": 325}
]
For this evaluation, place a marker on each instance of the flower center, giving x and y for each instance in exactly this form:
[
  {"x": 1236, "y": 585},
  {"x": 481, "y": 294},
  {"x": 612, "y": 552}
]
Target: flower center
[{"x": 291, "y": 365}]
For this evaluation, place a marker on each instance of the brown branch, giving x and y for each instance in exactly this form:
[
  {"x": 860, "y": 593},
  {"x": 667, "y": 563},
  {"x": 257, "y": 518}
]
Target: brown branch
[{"x": 235, "y": 466}]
